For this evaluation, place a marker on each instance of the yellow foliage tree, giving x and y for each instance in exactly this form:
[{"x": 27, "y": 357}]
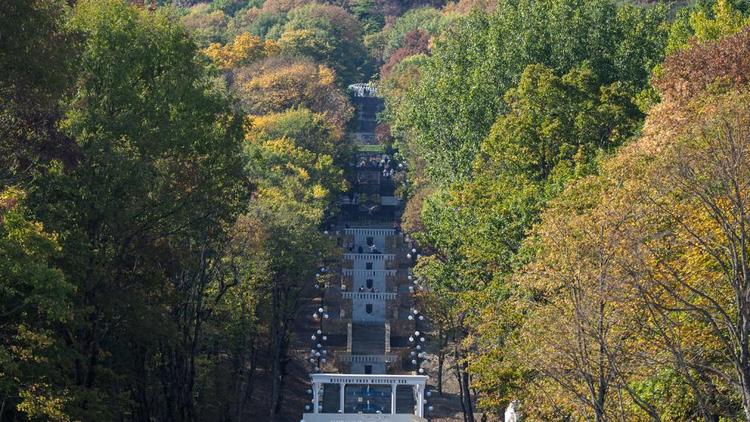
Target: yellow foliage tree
[
  {"x": 702, "y": 25},
  {"x": 245, "y": 49},
  {"x": 636, "y": 302},
  {"x": 277, "y": 84},
  {"x": 726, "y": 21}
]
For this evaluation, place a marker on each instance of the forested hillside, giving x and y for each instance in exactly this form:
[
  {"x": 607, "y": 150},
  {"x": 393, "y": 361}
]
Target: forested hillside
[{"x": 578, "y": 184}]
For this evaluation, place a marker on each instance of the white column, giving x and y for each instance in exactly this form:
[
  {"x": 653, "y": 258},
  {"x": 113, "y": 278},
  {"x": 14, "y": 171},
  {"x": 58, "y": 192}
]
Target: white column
[
  {"x": 420, "y": 400},
  {"x": 316, "y": 396},
  {"x": 414, "y": 394},
  {"x": 342, "y": 397},
  {"x": 393, "y": 398}
]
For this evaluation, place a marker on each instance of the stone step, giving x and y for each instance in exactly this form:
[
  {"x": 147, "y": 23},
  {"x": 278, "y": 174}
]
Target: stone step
[{"x": 368, "y": 339}]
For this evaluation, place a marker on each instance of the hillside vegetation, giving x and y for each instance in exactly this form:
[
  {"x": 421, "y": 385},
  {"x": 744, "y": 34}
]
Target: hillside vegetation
[{"x": 578, "y": 185}]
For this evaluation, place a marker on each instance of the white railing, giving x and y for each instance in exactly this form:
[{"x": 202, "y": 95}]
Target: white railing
[
  {"x": 369, "y": 273},
  {"x": 348, "y": 357},
  {"x": 370, "y": 256},
  {"x": 369, "y": 295},
  {"x": 361, "y": 231},
  {"x": 390, "y": 201},
  {"x": 345, "y": 200}
]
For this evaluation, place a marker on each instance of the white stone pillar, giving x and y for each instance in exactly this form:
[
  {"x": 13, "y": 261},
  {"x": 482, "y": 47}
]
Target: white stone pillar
[
  {"x": 316, "y": 396},
  {"x": 342, "y": 397},
  {"x": 393, "y": 398},
  {"x": 420, "y": 400}
]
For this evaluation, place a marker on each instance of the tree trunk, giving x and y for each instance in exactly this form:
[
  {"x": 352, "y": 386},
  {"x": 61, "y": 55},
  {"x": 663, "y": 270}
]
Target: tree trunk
[
  {"x": 463, "y": 382},
  {"x": 244, "y": 390},
  {"x": 276, "y": 333},
  {"x": 746, "y": 392},
  {"x": 601, "y": 393},
  {"x": 744, "y": 366},
  {"x": 461, "y": 393},
  {"x": 469, "y": 409},
  {"x": 441, "y": 360},
  {"x": 441, "y": 365},
  {"x": 282, "y": 376}
]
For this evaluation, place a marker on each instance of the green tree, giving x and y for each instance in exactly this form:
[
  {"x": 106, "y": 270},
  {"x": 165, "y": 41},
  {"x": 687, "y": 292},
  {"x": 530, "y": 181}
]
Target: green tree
[
  {"x": 368, "y": 13},
  {"x": 255, "y": 22},
  {"x": 310, "y": 131},
  {"x": 36, "y": 53},
  {"x": 508, "y": 110},
  {"x": 480, "y": 57},
  {"x": 706, "y": 21},
  {"x": 553, "y": 121},
  {"x": 159, "y": 177},
  {"x": 329, "y": 35},
  {"x": 229, "y": 7}
]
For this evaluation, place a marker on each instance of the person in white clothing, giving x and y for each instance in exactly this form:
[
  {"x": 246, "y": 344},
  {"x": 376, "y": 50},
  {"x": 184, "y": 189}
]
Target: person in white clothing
[{"x": 512, "y": 413}]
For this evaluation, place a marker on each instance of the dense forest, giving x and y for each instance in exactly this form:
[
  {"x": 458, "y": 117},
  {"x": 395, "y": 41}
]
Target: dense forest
[{"x": 578, "y": 185}]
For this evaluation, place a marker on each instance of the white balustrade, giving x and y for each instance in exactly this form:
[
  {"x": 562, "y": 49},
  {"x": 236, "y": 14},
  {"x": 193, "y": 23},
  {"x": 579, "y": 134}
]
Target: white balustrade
[
  {"x": 348, "y": 357},
  {"x": 390, "y": 201},
  {"x": 363, "y": 231},
  {"x": 370, "y": 256},
  {"x": 369, "y": 295},
  {"x": 369, "y": 273}
]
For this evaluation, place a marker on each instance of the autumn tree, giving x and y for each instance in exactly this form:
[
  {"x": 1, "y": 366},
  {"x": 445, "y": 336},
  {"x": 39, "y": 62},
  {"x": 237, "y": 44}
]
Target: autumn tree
[
  {"x": 243, "y": 50},
  {"x": 206, "y": 25},
  {"x": 666, "y": 215},
  {"x": 292, "y": 158},
  {"x": 415, "y": 42},
  {"x": 687, "y": 74},
  {"x": 277, "y": 84},
  {"x": 697, "y": 271},
  {"x": 577, "y": 339},
  {"x": 35, "y": 299},
  {"x": 394, "y": 36},
  {"x": 672, "y": 275}
]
